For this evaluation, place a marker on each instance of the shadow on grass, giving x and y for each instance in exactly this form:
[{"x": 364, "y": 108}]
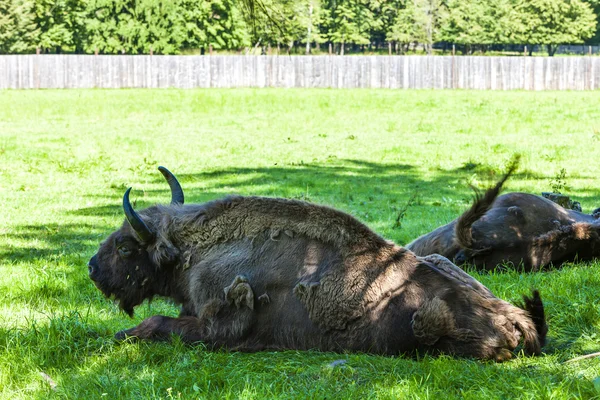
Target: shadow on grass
[
  {"x": 154, "y": 370},
  {"x": 52, "y": 241},
  {"x": 339, "y": 180},
  {"x": 373, "y": 192}
]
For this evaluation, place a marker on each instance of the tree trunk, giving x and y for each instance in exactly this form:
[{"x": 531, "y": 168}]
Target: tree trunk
[
  {"x": 310, "y": 11},
  {"x": 551, "y": 50}
]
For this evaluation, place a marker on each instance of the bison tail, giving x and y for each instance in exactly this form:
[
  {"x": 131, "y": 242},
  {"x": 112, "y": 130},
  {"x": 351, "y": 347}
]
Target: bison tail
[
  {"x": 481, "y": 205},
  {"x": 534, "y": 337},
  {"x": 535, "y": 307}
]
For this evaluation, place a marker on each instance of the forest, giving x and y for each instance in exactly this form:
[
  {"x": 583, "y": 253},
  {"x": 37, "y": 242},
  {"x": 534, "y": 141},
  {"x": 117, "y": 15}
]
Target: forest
[{"x": 290, "y": 26}]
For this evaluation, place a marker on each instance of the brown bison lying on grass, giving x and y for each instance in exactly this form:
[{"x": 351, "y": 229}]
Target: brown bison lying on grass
[
  {"x": 254, "y": 273},
  {"x": 516, "y": 228}
]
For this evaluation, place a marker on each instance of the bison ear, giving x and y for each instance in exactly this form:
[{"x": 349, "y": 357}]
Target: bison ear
[{"x": 164, "y": 253}]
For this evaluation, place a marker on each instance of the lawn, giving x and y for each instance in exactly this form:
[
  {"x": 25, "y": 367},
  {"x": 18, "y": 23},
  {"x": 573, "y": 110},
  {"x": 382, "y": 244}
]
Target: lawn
[{"x": 400, "y": 161}]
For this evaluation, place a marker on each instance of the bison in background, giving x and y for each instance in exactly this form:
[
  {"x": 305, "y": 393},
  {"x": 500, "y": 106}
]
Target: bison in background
[
  {"x": 516, "y": 228},
  {"x": 254, "y": 273}
]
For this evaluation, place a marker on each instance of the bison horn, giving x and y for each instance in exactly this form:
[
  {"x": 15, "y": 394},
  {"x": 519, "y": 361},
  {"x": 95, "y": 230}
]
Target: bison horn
[
  {"x": 135, "y": 221},
  {"x": 176, "y": 190}
]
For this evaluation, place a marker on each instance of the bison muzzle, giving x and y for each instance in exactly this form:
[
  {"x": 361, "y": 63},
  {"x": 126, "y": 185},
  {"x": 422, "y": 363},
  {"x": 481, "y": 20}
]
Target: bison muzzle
[{"x": 254, "y": 273}]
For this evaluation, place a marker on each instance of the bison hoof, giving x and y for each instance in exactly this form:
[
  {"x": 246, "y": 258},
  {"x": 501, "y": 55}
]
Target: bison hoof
[
  {"x": 502, "y": 355},
  {"x": 240, "y": 293},
  {"x": 124, "y": 335}
]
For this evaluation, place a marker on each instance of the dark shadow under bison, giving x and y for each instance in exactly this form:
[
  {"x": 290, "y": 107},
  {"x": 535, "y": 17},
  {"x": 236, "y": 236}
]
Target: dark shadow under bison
[{"x": 255, "y": 273}]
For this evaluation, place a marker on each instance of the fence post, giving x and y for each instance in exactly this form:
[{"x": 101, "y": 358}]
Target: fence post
[
  {"x": 210, "y": 49},
  {"x": 37, "y": 51},
  {"x": 525, "y": 51},
  {"x": 96, "y": 51},
  {"x": 389, "y": 48},
  {"x": 589, "y": 50},
  {"x": 329, "y": 48},
  {"x": 151, "y": 53},
  {"x": 453, "y": 70}
]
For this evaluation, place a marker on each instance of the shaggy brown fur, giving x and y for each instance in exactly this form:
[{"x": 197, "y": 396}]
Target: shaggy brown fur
[
  {"x": 255, "y": 273},
  {"x": 515, "y": 228}
]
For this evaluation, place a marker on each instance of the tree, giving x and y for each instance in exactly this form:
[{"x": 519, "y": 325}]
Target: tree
[
  {"x": 419, "y": 21},
  {"x": 284, "y": 21},
  {"x": 595, "y": 5},
  {"x": 18, "y": 32},
  {"x": 553, "y": 22},
  {"x": 477, "y": 22},
  {"x": 351, "y": 21},
  {"x": 61, "y": 24},
  {"x": 405, "y": 28},
  {"x": 165, "y": 27},
  {"x": 386, "y": 12},
  {"x": 217, "y": 23}
]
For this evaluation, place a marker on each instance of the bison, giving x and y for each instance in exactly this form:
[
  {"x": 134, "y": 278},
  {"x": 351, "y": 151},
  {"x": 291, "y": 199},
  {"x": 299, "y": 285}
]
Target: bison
[
  {"x": 516, "y": 228},
  {"x": 254, "y": 273}
]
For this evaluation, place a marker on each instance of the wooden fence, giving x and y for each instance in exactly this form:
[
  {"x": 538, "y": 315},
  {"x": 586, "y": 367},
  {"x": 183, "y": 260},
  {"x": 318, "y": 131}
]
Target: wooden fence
[{"x": 394, "y": 72}]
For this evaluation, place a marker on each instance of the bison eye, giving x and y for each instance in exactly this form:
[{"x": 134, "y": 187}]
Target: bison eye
[{"x": 124, "y": 251}]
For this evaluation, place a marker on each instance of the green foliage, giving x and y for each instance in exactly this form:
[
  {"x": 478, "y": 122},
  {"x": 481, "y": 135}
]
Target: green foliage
[
  {"x": 558, "y": 182},
  {"x": 165, "y": 27},
  {"x": 168, "y": 27},
  {"x": 286, "y": 22},
  {"x": 61, "y": 24},
  {"x": 552, "y": 22},
  {"x": 418, "y": 21},
  {"x": 478, "y": 22},
  {"x": 18, "y": 30}
]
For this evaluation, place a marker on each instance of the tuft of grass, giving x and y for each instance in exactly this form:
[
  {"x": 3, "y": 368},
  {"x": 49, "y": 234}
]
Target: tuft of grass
[{"x": 68, "y": 156}]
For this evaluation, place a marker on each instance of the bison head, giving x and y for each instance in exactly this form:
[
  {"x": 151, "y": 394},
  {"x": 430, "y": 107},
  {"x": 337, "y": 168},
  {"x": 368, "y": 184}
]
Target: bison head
[{"x": 130, "y": 264}]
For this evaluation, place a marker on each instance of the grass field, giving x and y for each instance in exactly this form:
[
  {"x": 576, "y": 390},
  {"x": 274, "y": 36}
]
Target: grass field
[{"x": 401, "y": 161}]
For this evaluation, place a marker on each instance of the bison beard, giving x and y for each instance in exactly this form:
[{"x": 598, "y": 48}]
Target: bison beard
[{"x": 255, "y": 273}]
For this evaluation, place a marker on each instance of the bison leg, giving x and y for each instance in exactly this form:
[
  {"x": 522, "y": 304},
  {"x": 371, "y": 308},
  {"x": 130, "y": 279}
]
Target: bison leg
[
  {"x": 240, "y": 293},
  {"x": 161, "y": 328}
]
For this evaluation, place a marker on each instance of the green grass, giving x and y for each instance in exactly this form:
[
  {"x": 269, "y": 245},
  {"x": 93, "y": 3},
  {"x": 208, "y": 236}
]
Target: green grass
[{"x": 66, "y": 158}]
